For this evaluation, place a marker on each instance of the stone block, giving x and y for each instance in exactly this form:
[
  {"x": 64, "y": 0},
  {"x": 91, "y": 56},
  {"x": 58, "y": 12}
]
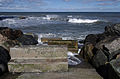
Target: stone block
[
  {"x": 71, "y": 44},
  {"x": 43, "y": 58},
  {"x": 38, "y": 67},
  {"x": 45, "y": 40},
  {"x": 32, "y": 52}
]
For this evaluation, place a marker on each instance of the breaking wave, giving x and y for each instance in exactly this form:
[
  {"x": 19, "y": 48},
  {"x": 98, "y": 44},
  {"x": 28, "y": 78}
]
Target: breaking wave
[{"x": 82, "y": 20}]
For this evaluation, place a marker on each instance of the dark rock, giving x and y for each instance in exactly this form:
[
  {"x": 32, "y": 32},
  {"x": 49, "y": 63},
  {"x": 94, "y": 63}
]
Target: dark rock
[
  {"x": 81, "y": 41},
  {"x": 22, "y": 17},
  {"x": 32, "y": 34},
  {"x": 92, "y": 38},
  {"x": 103, "y": 51},
  {"x": 99, "y": 59},
  {"x": 111, "y": 45},
  {"x": 87, "y": 52},
  {"x": 3, "y": 38},
  {"x": 114, "y": 69},
  {"x": 11, "y": 43},
  {"x": 2, "y": 28},
  {"x": 27, "y": 40},
  {"x": 4, "y": 55},
  {"x": 4, "y": 59},
  {"x": 103, "y": 71},
  {"x": 113, "y": 30},
  {"x": 118, "y": 56},
  {"x": 11, "y": 34}
]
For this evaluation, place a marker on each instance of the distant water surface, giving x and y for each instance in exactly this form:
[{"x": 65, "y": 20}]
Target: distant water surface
[{"x": 68, "y": 25}]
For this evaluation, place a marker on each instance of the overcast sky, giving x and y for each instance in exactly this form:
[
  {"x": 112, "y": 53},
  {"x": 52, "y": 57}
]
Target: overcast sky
[{"x": 59, "y": 5}]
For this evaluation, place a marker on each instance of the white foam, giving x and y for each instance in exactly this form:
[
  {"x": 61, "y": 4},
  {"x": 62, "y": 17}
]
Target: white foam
[
  {"x": 69, "y": 16},
  {"x": 82, "y": 20},
  {"x": 45, "y": 35},
  {"x": 67, "y": 38},
  {"x": 48, "y": 17},
  {"x": 72, "y": 60},
  {"x": 9, "y": 21}
]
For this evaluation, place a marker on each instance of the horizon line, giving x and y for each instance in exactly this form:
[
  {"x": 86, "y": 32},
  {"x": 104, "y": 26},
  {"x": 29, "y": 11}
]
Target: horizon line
[{"x": 51, "y": 12}]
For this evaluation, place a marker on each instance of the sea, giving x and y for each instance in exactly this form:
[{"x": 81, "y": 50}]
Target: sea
[{"x": 66, "y": 25}]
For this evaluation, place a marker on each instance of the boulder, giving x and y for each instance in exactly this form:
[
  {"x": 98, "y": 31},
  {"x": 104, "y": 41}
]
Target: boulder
[
  {"x": 4, "y": 59},
  {"x": 111, "y": 45},
  {"x": 86, "y": 52},
  {"x": 81, "y": 41},
  {"x": 2, "y": 38},
  {"x": 27, "y": 40},
  {"x": 99, "y": 59},
  {"x": 103, "y": 51},
  {"x": 118, "y": 56},
  {"x": 113, "y": 30},
  {"x": 32, "y": 34},
  {"x": 11, "y": 34},
  {"x": 92, "y": 38},
  {"x": 22, "y": 17},
  {"x": 2, "y": 28},
  {"x": 114, "y": 69}
]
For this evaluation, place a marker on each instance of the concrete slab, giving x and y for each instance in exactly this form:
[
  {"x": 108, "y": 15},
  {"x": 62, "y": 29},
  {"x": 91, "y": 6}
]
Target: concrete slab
[
  {"x": 71, "y": 44},
  {"x": 38, "y": 67},
  {"x": 45, "y": 40},
  {"x": 41, "y": 58},
  {"x": 82, "y": 71},
  {"x": 36, "y": 52}
]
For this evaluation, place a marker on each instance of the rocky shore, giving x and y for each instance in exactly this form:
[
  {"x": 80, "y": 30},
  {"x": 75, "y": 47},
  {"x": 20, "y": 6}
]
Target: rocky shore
[
  {"x": 10, "y": 38},
  {"x": 103, "y": 51}
]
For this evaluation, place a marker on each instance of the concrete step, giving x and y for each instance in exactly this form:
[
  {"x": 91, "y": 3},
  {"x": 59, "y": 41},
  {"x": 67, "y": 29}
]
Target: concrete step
[
  {"x": 31, "y": 52},
  {"x": 45, "y": 40},
  {"x": 73, "y": 73},
  {"x": 38, "y": 67},
  {"x": 71, "y": 44},
  {"x": 41, "y": 60},
  {"x": 38, "y": 59}
]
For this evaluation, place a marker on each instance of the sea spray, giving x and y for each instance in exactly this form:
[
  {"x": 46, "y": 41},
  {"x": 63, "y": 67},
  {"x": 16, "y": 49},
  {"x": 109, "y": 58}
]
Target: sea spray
[
  {"x": 72, "y": 60},
  {"x": 82, "y": 20}
]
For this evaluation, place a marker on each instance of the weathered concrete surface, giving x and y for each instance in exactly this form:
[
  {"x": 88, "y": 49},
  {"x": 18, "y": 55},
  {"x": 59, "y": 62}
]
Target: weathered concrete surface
[
  {"x": 38, "y": 67},
  {"x": 45, "y": 40},
  {"x": 71, "y": 44},
  {"x": 36, "y": 52},
  {"x": 38, "y": 59},
  {"x": 81, "y": 71}
]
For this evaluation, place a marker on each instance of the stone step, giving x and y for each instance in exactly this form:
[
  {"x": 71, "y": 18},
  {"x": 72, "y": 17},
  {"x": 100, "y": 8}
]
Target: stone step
[
  {"x": 45, "y": 40},
  {"x": 38, "y": 67},
  {"x": 29, "y": 52},
  {"x": 71, "y": 44},
  {"x": 41, "y": 58}
]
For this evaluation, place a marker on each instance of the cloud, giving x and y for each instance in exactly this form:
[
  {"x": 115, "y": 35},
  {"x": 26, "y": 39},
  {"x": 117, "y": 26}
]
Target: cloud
[
  {"x": 66, "y": 0},
  {"x": 104, "y": 4},
  {"x": 21, "y": 4},
  {"x": 107, "y": 0},
  {"x": 14, "y": 8},
  {"x": 38, "y": 5},
  {"x": 5, "y": 2}
]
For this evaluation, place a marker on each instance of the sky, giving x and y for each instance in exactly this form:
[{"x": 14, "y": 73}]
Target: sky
[{"x": 59, "y": 5}]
